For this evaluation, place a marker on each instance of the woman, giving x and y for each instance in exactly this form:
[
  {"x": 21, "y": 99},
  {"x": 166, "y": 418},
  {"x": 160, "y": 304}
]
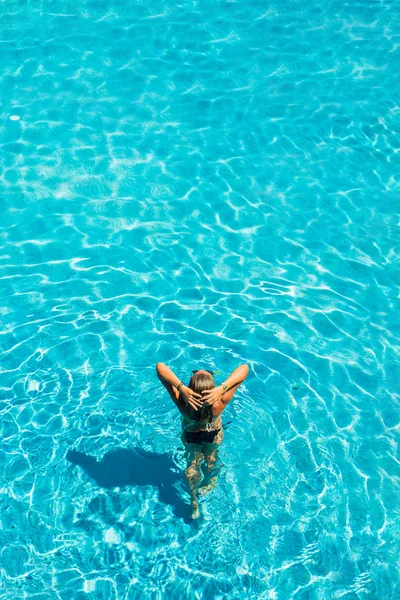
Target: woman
[{"x": 201, "y": 404}]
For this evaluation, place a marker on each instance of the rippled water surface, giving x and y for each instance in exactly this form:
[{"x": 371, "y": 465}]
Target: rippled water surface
[{"x": 202, "y": 184}]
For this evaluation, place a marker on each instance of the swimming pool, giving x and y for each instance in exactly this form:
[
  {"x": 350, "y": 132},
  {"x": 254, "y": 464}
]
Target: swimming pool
[{"x": 202, "y": 184}]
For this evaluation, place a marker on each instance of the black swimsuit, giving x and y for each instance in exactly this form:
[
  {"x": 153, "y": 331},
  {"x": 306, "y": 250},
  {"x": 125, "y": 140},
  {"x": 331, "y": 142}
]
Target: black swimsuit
[{"x": 201, "y": 437}]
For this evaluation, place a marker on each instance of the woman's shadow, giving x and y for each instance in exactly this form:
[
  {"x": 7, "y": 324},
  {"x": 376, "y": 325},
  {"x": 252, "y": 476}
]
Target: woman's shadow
[{"x": 124, "y": 466}]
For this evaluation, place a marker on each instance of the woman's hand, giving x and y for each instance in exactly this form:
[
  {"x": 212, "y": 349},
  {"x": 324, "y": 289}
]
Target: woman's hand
[
  {"x": 190, "y": 397},
  {"x": 210, "y": 397}
]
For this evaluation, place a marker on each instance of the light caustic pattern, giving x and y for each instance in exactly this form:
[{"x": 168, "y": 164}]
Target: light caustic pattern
[{"x": 203, "y": 184}]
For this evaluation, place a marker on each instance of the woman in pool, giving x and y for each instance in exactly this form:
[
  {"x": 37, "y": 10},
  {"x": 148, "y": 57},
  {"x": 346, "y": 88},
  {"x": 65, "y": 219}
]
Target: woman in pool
[{"x": 201, "y": 404}]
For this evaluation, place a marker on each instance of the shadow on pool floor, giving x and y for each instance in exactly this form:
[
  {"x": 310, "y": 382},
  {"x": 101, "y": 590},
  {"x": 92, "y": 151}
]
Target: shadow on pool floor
[{"x": 123, "y": 467}]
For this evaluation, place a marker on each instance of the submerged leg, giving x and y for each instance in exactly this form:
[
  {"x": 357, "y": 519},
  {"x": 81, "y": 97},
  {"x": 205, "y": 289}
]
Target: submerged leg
[
  {"x": 211, "y": 457},
  {"x": 193, "y": 476}
]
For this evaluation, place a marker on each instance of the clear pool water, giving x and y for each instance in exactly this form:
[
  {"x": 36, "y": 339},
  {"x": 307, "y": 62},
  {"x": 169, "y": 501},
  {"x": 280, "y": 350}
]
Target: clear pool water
[{"x": 203, "y": 184}]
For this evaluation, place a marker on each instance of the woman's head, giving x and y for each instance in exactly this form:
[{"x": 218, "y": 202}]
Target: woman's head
[{"x": 199, "y": 382}]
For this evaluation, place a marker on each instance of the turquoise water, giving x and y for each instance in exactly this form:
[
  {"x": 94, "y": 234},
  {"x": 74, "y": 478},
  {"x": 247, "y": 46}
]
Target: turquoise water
[{"x": 202, "y": 184}]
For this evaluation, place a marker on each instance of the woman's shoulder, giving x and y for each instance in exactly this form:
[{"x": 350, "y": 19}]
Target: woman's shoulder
[{"x": 218, "y": 408}]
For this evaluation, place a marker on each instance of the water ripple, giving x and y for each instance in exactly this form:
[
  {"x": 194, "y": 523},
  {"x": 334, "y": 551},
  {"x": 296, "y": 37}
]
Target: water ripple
[{"x": 202, "y": 191}]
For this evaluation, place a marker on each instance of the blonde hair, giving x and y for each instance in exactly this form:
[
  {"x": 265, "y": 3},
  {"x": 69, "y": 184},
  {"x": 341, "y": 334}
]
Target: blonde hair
[{"x": 199, "y": 382}]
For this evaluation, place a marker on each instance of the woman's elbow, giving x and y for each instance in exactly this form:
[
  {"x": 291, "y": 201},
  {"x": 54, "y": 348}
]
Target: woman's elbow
[{"x": 245, "y": 369}]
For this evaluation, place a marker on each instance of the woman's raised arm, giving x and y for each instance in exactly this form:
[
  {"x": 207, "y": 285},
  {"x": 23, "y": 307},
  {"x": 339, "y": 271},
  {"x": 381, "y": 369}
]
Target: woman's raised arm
[
  {"x": 225, "y": 390},
  {"x": 166, "y": 374},
  {"x": 173, "y": 385}
]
